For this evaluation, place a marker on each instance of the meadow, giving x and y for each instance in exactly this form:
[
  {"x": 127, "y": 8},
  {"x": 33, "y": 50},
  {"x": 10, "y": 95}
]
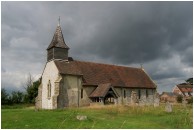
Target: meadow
[{"x": 115, "y": 117}]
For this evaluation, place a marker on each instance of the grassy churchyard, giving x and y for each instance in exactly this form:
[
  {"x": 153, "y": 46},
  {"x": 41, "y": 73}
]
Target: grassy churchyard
[{"x": 98, "y": 117}]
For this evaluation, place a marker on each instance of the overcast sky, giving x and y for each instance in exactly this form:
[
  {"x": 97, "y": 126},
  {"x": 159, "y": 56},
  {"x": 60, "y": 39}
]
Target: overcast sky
[{"x": 155, "y": 34}]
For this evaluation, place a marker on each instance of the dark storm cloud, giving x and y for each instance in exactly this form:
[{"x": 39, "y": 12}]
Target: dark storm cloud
[
  {"x": 154, "y": 30},
  {"x": 157, "y": 34}
]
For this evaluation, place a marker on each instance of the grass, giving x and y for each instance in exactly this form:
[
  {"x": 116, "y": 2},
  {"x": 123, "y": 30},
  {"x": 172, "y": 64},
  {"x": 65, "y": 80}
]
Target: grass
[{"x": 98, "y": 117}]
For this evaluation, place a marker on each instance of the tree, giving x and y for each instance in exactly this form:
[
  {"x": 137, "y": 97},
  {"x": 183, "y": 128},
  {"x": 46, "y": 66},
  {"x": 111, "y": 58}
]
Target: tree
[
  {"x": 28, "y": 82},
  {"x": 179, "y": 98},
  {"x": 32, "y": 92},
  {"x": 190, "y": 100},
  {"x": 17, "y": 97},
  {"x": 189, "y": 80},
  {"x": 4, "y": 96}
]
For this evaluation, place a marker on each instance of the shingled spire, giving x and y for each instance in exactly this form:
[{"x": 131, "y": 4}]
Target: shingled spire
[{"x": 57, "y": 48}]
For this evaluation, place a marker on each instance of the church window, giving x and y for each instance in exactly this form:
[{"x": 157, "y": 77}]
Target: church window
[
  {"x": 81, "y": 93},
  {"x": 124, "y": 94},
  {"x": 139, "y": 93},
  {"x": 146, "y": 93},
  {"x": 49, "y": 89}
]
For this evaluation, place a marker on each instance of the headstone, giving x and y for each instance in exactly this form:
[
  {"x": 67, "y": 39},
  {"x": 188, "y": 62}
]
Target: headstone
[
  {"x": 168, "y": 107},
  {"x": 81, "y": 117}
]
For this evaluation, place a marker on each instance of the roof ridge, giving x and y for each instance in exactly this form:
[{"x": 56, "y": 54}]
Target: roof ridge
[{"x": 107, "y": 64}]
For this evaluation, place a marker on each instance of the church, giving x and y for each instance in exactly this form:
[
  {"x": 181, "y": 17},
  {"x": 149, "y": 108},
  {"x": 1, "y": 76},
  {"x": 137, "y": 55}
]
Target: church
[{"x": 66, "y": 82}]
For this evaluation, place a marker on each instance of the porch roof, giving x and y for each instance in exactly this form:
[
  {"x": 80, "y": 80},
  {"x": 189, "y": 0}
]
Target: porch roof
[{"x": 102, "y": 90}]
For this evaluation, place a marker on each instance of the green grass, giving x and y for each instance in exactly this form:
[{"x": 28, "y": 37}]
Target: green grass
[{"x": 103, "y": 117}]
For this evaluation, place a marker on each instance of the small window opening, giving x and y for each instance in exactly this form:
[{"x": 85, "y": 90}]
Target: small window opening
[
  {"x": 139, "y": 93},
  {"x": 146, "y": 93},
  {"x": 81, "y": 93},
  {"x": 124, "y": 94}
]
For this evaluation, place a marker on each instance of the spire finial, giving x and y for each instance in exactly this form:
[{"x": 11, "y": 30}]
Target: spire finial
[{"x": 59, "y": 21}]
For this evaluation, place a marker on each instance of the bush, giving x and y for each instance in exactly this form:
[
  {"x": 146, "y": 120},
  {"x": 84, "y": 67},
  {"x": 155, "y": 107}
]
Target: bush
[
  {"x": 32, "y": 92},
  {"x": 4, "y": 96},
  {"x": 190, "y": 101},
  {"x": 179, "y": 99}
]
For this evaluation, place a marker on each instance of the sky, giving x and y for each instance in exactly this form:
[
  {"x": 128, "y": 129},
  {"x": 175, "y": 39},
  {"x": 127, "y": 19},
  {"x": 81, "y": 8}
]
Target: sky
[{"x": 156, "y": 35}]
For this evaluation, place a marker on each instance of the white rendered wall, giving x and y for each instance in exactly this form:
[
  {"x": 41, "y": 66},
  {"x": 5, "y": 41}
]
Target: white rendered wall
[{"x": 50, "y": 73}]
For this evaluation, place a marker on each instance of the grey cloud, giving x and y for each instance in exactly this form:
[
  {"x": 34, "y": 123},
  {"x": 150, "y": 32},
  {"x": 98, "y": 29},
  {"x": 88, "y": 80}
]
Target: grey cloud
[
  {"x": 152, "y": 33},
  {"x": 122, "y": 33}
]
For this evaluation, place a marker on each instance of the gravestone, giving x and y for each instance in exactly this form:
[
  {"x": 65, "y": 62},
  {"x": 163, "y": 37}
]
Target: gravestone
[
  {"x": 168, "y": 107},
  {"x": 81, "y": 117}
]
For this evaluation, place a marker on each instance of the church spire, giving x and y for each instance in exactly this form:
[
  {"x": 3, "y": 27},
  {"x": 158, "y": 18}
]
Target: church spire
[
  {"x": 58, "y": 40},
  {"x": 57, "y": 48}
]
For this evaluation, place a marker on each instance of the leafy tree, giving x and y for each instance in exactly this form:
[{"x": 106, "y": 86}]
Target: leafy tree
[
  {"x": 9, "y": 101},
  {"x": 32, "y": 92},
  {"x": 4, "y": 96},
  {"x": 190, "y": 100},
  {"x": 179, "y": 98},
  {"x": 17, "y": 97},
  {"x": 189, "y": 80}
]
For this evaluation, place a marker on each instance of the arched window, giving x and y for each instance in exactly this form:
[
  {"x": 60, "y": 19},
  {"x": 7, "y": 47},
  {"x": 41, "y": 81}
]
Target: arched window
[{"x": 49, "y": 89}]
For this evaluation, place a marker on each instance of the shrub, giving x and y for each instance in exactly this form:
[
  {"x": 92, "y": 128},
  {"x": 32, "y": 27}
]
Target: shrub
[
  {"x": 4, "y": 96},
  {"x": 190, "y": 100},
  {"x": 179, "y": 99}
]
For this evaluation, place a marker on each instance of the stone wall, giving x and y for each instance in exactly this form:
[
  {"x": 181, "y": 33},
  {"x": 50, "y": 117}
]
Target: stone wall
[
  {"x": 72, "y": 84},
  {"x": 62, "y": 100},
  {"x": 129, "y": 100},
  {"x": 38, "y": 100},
  {"x": 85, "y": 100}
]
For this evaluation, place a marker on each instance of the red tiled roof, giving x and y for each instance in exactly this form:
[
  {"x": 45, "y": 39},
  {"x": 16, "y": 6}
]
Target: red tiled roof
[
  {"x": 97, "y": 73},
  {"x": 185, "y": 88},
  {"x": 101, "y": 90}
]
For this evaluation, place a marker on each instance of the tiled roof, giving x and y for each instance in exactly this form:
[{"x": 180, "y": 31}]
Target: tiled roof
[
  {"x": 170, "y": 94},
  {"x": 58, "y": 40},
  {"x": 97, "y": 73},
  {"x": 185, "y": 88},
  {"x": 101, "y": 90}
]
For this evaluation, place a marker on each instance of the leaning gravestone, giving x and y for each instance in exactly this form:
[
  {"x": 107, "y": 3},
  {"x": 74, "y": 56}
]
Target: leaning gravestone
[{"x": 168, "y": 107}]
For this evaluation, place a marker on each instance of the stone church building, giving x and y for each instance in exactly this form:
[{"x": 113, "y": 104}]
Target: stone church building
[{"x": 66, "y": 82}]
